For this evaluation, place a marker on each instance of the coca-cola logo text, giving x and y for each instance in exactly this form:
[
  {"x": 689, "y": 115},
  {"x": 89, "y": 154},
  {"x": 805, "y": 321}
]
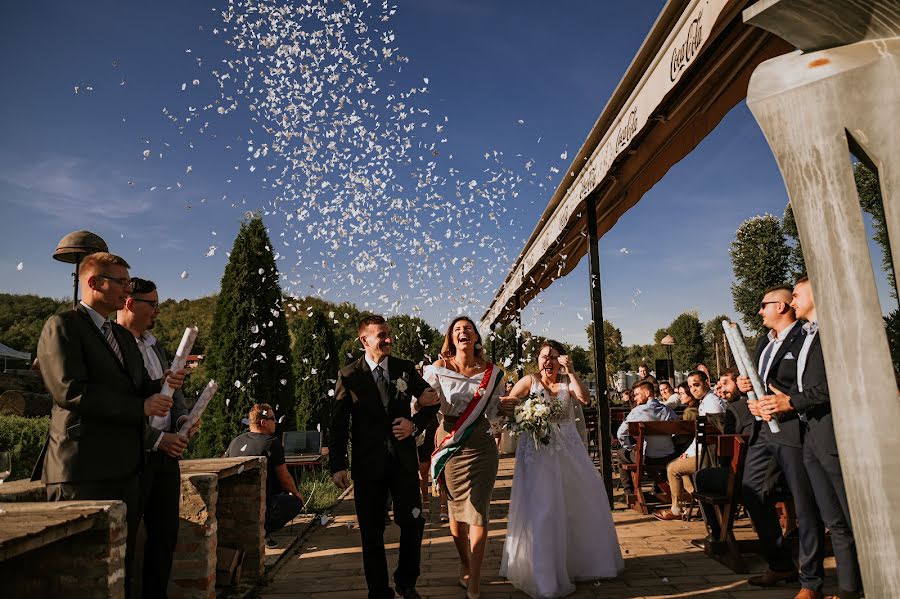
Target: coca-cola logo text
[{"x": 683, "y": 53}]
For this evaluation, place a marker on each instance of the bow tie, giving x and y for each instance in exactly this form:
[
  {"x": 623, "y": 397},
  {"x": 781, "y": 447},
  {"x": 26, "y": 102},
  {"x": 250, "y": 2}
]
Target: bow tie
[{"x": 811, "y": 327}]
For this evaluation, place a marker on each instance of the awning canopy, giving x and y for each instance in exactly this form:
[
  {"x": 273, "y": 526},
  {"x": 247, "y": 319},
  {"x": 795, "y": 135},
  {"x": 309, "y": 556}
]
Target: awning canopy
[
  {"x": 10, "y": 353},
  {"x": 692, "y": 68}
]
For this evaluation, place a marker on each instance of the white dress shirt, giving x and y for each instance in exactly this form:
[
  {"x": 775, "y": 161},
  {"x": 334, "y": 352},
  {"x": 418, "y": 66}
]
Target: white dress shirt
[
  {"x": 812, "y": 329},
  {"x": 772, "y": 347},
  {"x": 145, "y": 343},
  {"x": 372, "y": 364}
]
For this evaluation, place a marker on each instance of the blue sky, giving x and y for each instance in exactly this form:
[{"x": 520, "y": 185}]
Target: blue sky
[{"x": 76, "y": 160}]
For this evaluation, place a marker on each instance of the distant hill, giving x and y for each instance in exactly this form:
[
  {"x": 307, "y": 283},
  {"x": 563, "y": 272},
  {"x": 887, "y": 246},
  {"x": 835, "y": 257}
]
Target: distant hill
[{"x": 23, "y": 316}]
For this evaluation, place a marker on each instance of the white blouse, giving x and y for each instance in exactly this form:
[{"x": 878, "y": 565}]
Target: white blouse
[{"x": 457, "y": 390}]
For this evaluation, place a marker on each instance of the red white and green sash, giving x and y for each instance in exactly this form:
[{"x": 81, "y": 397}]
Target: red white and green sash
[{"x": 462, "y": 430}]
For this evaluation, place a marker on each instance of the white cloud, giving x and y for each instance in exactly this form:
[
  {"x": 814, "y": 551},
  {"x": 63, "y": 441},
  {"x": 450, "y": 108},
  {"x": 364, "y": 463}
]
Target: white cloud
[{"x": 74, "y": 190}]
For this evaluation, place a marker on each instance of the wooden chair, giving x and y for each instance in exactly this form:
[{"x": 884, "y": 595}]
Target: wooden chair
[
  {"x": 640, "y": 470},
  {"x": 732, "y": 453}
]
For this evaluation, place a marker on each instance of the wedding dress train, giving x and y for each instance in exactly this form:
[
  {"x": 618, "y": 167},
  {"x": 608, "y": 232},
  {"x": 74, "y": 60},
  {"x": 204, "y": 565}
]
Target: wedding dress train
[{"x": 560, "y": 524}]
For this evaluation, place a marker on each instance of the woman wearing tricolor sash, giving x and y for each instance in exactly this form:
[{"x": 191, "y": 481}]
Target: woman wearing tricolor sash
[{"x": 465, "y": 458}]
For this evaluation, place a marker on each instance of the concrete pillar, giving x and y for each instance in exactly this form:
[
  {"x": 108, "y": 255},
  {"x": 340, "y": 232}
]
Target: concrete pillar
[{"x": 844, "y": 83}]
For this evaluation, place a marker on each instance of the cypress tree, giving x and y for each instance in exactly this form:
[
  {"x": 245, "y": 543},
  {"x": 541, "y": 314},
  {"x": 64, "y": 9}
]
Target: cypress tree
[
  {"x": 248, "y": 346},
  {"x": 315, "y": 369}
]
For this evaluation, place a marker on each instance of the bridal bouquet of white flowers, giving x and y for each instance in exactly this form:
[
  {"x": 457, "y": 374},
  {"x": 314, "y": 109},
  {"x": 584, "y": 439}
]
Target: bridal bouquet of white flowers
[{"x": 535, "y": 416}]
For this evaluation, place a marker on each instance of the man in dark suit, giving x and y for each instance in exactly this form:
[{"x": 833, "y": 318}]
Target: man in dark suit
[
  {"x": 102, "y": 397},
  {"x": 772, "y": 454},
  {"x": 161, "y": 477},
  {"x": 737, "y": 420},
  {"x": 809, "y": 397},
  {"x": 372, "y": 404}
]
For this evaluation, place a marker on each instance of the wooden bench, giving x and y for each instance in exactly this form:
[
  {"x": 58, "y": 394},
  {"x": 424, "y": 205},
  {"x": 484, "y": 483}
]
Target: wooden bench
[
  {"x": 63, "y": 549},
  {"x": 640, "y": 470},
  {"x": 732, "y": 453}
]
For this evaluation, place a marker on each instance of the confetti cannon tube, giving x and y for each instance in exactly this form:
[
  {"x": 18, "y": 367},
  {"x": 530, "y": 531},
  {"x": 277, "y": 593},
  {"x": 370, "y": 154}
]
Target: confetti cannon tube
[
  {"x": 184, "y": 350},
  {"x": 199, "y": 407},
  {"x": 745, "y": 366}
]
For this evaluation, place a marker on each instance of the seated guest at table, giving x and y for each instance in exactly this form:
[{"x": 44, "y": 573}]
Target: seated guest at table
[
  {"x": 283, "y": 500},
  {"x": 644, "y": 375},
  {"x": 628, "y": 398},
  {"x": 679, "y": 471},
  {"x": 657, "y": 449},
  {"x": 668, "y": 397},
  {"x": 738, "y": 421}
]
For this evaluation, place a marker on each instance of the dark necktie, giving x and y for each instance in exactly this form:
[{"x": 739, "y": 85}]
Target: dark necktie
[
  {"x": 766, "y": 359},
  {"x": 111, "y": 340},
  {"x": 382, "y": 384}
]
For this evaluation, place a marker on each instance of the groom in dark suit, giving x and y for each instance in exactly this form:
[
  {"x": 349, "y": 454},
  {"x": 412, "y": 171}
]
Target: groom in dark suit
[
  {"x": 102, "y": 396},
  {"x": 810, "y": 398},
  {"x": 771, "y": 454},
  {"x": 372, "y": 404}
]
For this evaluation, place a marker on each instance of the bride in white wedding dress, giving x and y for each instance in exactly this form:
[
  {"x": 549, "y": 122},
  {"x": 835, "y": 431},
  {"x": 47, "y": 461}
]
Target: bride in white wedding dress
[{"x": 560, "y": 525}]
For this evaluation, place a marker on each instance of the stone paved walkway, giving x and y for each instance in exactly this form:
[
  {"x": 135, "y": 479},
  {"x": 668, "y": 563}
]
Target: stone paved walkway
[{"x": 659, "y": 560}]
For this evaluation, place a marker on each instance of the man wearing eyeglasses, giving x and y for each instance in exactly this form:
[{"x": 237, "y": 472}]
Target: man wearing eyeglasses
[
  {"x": 161, "y": 478},
  {"x": 102, "y": 396},
  {"x": 771, "y": 454},
  {"x": 283, "y": 500}
]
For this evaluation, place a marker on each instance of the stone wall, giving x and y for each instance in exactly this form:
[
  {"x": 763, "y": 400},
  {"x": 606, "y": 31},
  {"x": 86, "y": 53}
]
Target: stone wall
[{"x": 89, "y": 564}]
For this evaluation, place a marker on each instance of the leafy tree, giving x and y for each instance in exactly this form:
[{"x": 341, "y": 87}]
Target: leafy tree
[
  {"x": 248, "y": 352},
  {"x": 22, "y": 318},
  {"x": 502, "y": 345},
  {"x": 712, "y": 334},
  {"x": 175, "y": 316},
  {"x": 315, "y": 369},
  {"x": 689, "y": 349},
  {"x": 413, "y": 337},
  {"x": 350, "y": 350},
  {"x": 612, "y": 344},
  {"x": 796, "y": 262},
  {"x": 760, "y": 256},
  {"x": 870, "y": 200},
  {"x": 581, "y": 360}
]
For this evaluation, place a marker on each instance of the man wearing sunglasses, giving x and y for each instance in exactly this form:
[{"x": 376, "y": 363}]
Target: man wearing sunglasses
[
  {"x": 161, "y": 478},
  {"x": 102, "y": 397},
  {"x": 283, "y": 500}
]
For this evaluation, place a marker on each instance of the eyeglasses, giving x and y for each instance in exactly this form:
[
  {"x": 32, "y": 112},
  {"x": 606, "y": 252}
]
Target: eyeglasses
[
  {"x": 121, "y": 281},
  {"x": 153, "y": 303},
  {"x": 764, "y": 304}
]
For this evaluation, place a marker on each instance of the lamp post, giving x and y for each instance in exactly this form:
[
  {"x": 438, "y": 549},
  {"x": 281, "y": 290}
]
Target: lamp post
[
  {"x": 669, "y": 341},
  {"x": 73, "y": 248}
]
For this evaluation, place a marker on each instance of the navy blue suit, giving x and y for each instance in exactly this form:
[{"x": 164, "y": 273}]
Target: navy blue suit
[
  {"x": 820, "y": 455},
  {"x": 772, "y": 454}
]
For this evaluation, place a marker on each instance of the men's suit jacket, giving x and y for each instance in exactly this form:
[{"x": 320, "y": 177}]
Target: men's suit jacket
[
  {"x": 359, "y": 414},
  {"x": 739, "y": 420},
  {"x": 97, "y": 420},
  {"x": 177, "y": 410},
  {"x": 814, "y": 402},
  {"x": 782, "y": 375}
]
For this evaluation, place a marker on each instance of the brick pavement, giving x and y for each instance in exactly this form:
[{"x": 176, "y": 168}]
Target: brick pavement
[{"x": 659, "y": 560}]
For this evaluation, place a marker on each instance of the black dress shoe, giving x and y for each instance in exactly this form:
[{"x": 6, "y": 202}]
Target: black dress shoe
[{"x": 410, "y": 593}]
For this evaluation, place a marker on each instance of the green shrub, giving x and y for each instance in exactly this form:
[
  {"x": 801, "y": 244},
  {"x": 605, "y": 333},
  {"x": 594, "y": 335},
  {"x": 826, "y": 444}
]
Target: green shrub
[{"x": 23, "y": 438}]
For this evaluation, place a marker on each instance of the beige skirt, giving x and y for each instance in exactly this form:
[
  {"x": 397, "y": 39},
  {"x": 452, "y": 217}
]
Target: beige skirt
[{"x": 470, "y": 474}]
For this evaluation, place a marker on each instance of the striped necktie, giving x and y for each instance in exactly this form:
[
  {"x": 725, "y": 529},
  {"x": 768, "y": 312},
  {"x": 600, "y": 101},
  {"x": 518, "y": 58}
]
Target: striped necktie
[{"x": 111, "y": 340}]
